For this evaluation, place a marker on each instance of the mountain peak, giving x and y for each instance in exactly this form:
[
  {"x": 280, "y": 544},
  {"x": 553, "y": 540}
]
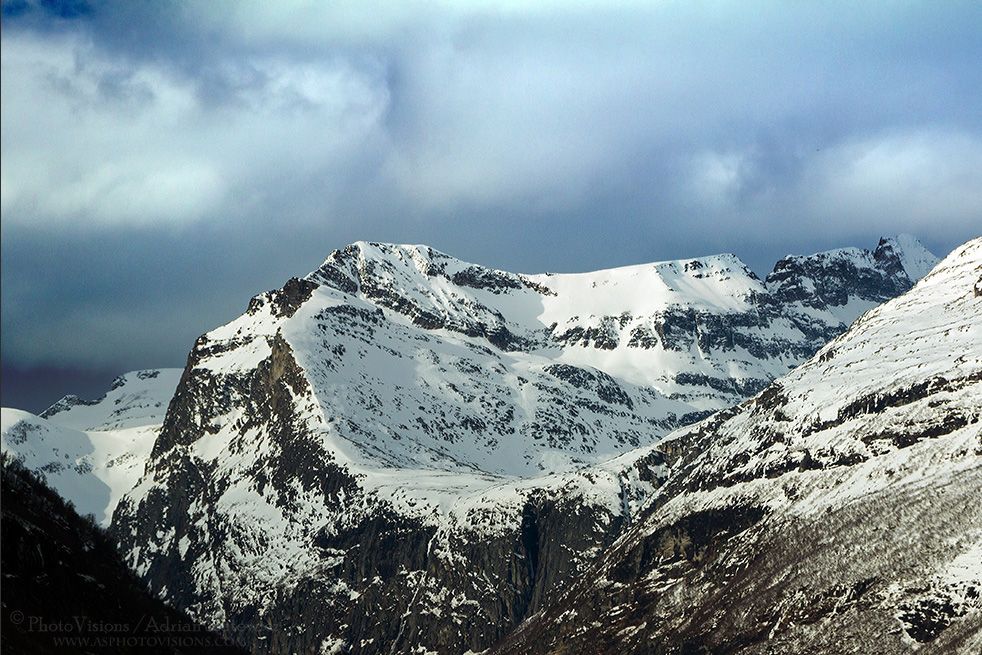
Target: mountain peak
[
  {"x": 911, "y": 255},
  {"x": 134, "y": 399},
  {"x": 836, "y": 278},
  {"x": 902, "y": 253}
]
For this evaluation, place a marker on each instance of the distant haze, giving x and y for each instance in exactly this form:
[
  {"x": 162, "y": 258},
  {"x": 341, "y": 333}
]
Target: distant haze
[{"x": 163, "y": 162}]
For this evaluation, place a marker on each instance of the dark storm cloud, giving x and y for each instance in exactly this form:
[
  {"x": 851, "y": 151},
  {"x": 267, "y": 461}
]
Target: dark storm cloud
[{"x": 162, "y": 162}]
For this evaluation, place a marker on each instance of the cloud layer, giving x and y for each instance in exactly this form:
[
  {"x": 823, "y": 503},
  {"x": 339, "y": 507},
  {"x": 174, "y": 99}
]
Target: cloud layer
[{"x": 163, "y": 162}]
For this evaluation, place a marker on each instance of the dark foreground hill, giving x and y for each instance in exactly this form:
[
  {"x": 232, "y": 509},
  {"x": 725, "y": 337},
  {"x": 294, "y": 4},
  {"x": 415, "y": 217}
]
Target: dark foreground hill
[{"x": 65, "y": 589}]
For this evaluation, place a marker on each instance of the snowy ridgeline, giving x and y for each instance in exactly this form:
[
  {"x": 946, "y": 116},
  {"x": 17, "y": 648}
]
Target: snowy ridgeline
[
  {"x": 92, "y": 452},
  {"x": 401, "y": 408},
  {"x": 419, "y": 361},
  {"x": 838, "y": 511}
]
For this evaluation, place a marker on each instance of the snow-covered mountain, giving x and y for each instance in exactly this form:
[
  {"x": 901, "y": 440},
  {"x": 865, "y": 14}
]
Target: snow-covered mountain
[
  {"x": 837, "y": 511},
  {"x": 404, "y": 435},
  {"x": 92, "y": 452},
  {"x": 412, "y": 354},
  {"x": 403, "y": 450},
  {"x": 134, "y": 400}
]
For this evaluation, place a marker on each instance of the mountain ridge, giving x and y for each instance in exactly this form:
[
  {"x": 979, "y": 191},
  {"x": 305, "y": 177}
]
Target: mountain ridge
[
  {"x": 870, "y": 479},
  {"x": 348, "y": 444},
  {"x": 387, "y": 412},
  {"x": 93, "y": 451}
]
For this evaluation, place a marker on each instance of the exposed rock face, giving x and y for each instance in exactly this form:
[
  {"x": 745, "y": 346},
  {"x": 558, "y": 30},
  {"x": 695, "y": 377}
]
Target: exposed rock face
[
  {"x": 394, "y": 584},
  {"x": 837, "y": 511},
  {"x": 188, "y": 491},
  {"x": 389, "y": 454}
]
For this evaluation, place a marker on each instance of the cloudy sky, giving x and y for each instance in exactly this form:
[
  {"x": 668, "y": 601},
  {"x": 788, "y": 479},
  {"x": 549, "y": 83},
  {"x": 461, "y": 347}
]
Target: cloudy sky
[{"x": 163, "y": 162}]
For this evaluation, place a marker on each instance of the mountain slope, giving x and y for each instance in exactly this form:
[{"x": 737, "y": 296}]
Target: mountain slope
[
  {"x": 836, "y": 511},
  {"x": 136, "y": 399},
  {"x": 92, "y": 452},
  {"x": 388, "y": 454}
]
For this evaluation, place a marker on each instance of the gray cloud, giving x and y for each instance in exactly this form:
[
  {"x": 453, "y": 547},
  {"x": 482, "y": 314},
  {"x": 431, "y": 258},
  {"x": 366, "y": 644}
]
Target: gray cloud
[{"x": 163, "y": 162}]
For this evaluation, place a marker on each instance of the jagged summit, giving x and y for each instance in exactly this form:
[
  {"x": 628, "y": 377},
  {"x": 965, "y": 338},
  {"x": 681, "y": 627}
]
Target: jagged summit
[
  {"x": 425, "y": 255},
  {"x": 914, "y": 259},
  {"x": 848, "y": 281},
  {"x": 434, "y": 288},
  {"x": 626, "y": 288},
  {"x": 900, "y": 254}
]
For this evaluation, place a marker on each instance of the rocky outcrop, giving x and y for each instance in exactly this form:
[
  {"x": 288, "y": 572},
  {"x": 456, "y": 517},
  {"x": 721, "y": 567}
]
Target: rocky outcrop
[
  {"x": 176, "y": 520},
  {"x": 66, "y": 403},
  {"x": 390, "y": 584},
  {"x": 285, "y": 301}
]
